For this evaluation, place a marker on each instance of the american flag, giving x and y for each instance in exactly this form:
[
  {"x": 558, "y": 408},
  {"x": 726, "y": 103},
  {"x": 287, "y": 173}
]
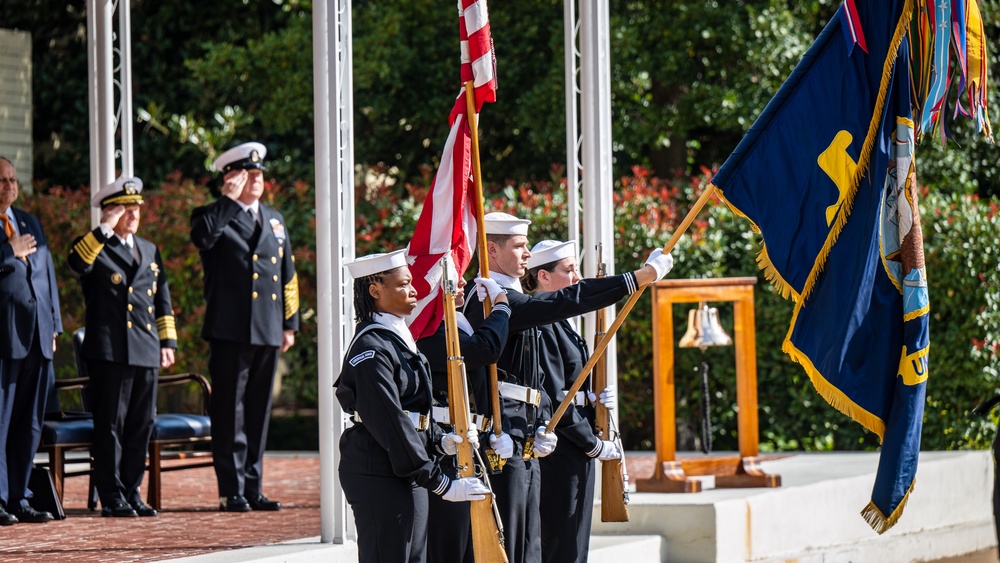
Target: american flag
[{"x": 447, "y": 223}]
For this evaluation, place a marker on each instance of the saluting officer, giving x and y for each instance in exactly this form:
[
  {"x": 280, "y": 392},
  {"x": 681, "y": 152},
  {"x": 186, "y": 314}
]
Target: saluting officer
[
  {"x": 388, "y": 457},
  {"x": 130, "y": 334},
  {"x": 517, "y": 487},
  {"x": 252, "y": 293},
  {"x": 567, "y": 495},
  {"x": 480, "y": 348}
]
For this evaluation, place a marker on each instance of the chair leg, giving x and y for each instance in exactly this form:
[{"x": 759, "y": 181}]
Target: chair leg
[
  {"x": 57, "y": 463},
  {"x": 153, "y": 493}
]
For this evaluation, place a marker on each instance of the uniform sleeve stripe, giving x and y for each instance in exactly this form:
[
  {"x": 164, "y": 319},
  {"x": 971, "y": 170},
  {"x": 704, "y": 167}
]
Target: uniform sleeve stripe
[
  {"x": 630, "y": 283},
  {"x": 502, "y": 307},
  {"x": 292, "y": 297},
  {"x": 88, "y": 248},
  {"x": 166, "y": 327}
]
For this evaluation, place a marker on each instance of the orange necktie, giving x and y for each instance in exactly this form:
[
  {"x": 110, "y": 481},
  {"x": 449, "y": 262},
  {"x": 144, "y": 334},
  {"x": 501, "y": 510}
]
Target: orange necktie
[{"x": 7, "y": 227}]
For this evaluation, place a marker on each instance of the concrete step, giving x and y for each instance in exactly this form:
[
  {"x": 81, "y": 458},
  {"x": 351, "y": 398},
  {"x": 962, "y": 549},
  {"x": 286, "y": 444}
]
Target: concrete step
[{"x": 626, "y": 548}]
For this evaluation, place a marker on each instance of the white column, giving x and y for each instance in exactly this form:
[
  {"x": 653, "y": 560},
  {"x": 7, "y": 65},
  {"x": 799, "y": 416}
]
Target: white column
[
  {"x": 124, "y": 117},
  {"x": 571, "y": 63},
  {"x": 100, "y": 97},
  {"x": 595, "y": 109},
  {"x": 332, "y": 97}
]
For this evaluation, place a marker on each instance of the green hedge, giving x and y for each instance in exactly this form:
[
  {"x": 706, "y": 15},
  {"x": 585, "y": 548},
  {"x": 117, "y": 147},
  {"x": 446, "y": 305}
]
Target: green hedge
[{"x": 963, "y": 267}]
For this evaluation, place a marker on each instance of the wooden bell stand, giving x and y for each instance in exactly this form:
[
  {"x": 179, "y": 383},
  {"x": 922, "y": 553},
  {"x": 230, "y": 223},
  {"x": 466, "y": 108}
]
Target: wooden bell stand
[{"x": 671, "y": 475}]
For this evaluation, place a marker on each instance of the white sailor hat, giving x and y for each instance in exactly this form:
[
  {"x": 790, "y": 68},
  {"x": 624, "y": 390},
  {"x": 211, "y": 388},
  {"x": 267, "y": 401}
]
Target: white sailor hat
[
  {"x": 248, "y": 156},
  {"x": 548, "y": 251},
  {"x": 123, "y": 191},
  {"x": 498, "y": 223},
  {"x": 376, "y": 263}
]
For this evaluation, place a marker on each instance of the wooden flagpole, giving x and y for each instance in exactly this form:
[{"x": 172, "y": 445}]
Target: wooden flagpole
[{"x": 602, "y": 344}]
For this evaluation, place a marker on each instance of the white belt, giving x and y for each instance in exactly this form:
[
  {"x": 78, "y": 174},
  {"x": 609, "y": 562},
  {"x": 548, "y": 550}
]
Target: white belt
[
  {"x": 419, "y": 421},
  {"x": 520, "y": 393},
  {"x": 580, "y": 399},
  {"x": 477, "y": 421}
]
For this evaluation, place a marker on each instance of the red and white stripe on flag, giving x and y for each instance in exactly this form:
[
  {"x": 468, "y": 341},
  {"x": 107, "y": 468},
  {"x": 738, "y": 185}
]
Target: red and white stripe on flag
[
  {"x": 478, "y": 59},
  {"x": 447, "y": 223}
]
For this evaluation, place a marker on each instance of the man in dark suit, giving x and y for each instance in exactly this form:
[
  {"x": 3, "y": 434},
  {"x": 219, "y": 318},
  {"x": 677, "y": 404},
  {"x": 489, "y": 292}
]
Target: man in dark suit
[
  {"x": 252, "y": 294},
  {"x": 29, "y": 307},
  {"x": 130, "y": 334}
]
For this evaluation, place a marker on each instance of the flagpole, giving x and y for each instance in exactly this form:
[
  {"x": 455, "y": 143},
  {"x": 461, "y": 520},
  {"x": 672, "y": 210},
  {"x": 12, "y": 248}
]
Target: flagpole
[
  {"x": 602, "y": 344},
  {"x": 484, "y": 262}
]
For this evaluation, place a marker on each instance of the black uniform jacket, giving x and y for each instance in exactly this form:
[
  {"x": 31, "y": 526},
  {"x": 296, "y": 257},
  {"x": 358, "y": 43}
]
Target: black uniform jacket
[
  {"x": 479, "y": 349},
  {"x": 563, "y": 353},
  {"x": 129, "y": 317},
  {"x": 380, "y": 379},
  {"x": 29, "y": 296},
  {"x": 251, "y": 288},
  {"x": 519, "y": 360}
]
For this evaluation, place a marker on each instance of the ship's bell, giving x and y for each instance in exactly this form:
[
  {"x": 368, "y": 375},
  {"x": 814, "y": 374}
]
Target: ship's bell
[{"x": 704, "y": 329}]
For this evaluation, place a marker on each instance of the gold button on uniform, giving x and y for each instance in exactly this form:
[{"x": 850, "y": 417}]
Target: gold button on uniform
[
  {"x": 149, "y": 326},
  {"x": 150, "y": 309},
  {"x": 254, "y": 257},
  {"x": 130, "y": 324},
  {"x": 255, "y": 276},
  {"x": 254, "y": 295},
  {"x": 130, "y": 290},
  {"x": 275, "y": 278},
  {"x": 129, "y": 306},
  {"x": 274, "y": 260},
  {"x": 149, "y": 292},
  {"x": 274, "y": 297}
]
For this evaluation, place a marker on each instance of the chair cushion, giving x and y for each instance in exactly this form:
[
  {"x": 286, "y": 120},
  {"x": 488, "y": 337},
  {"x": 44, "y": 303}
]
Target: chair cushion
[
  {"x": 172, "y": 426},
  {"x": 70, "y": 431}
]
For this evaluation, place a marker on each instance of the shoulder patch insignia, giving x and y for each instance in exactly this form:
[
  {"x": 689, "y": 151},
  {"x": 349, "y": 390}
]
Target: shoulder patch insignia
[{"x": 366, "y": 355}]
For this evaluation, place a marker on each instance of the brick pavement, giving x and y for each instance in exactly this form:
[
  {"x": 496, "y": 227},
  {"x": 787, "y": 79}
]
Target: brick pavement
[{"x": 189, "y": 524}]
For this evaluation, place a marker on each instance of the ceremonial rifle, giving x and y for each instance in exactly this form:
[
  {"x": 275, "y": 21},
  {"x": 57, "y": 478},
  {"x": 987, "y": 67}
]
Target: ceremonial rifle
[
  {"x": 614, "y": 479},
  {"x": 487, "y": 530},
  {"x": 602, "y": 344}
]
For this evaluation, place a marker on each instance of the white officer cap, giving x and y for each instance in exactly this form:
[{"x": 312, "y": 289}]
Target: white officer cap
[
  {"x": 123, "y": 191},
  {"x": 548, "y": 251},
  {"x": 376, "y": 263},
  {"x": 248, "y": 156},
  {"x": 498, "y": 223}
]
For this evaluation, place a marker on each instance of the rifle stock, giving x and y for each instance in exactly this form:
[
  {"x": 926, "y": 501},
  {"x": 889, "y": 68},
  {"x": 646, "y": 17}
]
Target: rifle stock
[
  {"x": 487, "y": 533},
  {"x": 614, "y": 483}
]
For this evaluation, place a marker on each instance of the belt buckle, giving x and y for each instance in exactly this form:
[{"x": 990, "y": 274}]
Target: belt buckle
[
  {"x": 529, "y": 449},
  {"x": 423, "y": 422}
]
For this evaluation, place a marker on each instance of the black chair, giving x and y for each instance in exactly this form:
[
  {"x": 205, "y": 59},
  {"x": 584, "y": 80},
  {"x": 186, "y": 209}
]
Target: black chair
[{"x": 176, "y": 435}]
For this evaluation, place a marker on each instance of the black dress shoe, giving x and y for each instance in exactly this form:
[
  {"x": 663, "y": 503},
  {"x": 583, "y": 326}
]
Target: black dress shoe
[
  {"x": 120, "y": 509},
  {"x": 261, "y": 502},
  {"x": 7, "y": 519},
  {"x": 235, "y": 503},
  {"x": 29, "y": 514},
  {"x": 143, "y": 509}
]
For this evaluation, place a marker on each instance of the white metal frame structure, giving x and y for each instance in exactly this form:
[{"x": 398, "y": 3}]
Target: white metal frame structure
[{"x": 589, "y": 177}]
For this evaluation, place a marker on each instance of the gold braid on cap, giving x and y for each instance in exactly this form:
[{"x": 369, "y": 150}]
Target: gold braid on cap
[{"x": 124, "y": 199}]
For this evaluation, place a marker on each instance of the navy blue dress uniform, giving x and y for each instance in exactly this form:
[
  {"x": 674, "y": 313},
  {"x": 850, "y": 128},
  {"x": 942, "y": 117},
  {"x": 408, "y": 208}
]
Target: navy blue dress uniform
[
  {"x": 129, "y": 320},
  {"x": 388, "y": 457},
  {"x": 252, "y": 296},
  {"x": 518, "y": 486},
  {"x": 480, "y": 348},
  {"x": 29, "y": 311}
]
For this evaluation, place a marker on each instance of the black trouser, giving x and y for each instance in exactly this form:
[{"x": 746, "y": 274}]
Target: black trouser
[
  {"x": 567, "y": 504},
  {"x": 242, "y": 380},
  {"x": 23, "y": 391},
  {"x": 517, "y": 490},
  {"x": 391, "y": 517},
  {"x": 449, "y": 540},
  {"x": 123, "y": 400}
]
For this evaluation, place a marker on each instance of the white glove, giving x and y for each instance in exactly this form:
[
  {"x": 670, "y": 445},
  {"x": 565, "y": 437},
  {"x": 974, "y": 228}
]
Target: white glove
[
  {"x": 466, "y": 489},
  {"x": 545, "y": 442},
  {"x": 608, "y": 398},
  {"x": 487, "y": 285},
  {"x": 606, "y": 450},
  {"x": 502, "y": 445},
  {"x": 450, "y": 441},
  {"x": 660, "y": 262}
]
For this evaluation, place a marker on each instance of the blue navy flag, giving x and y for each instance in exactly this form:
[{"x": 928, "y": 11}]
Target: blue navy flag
[{"x": 826, "y": 176}]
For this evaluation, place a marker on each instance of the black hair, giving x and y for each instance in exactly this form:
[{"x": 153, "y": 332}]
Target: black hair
[
  {"x": 364, "y": 303},
  {"x": 530, "y": 279}
]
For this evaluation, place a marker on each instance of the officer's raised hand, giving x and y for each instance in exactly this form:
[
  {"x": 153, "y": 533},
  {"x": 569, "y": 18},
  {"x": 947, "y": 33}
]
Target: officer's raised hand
[
  {"x": 111, "y": 214},
  {"x": 235, "y": 181}
]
